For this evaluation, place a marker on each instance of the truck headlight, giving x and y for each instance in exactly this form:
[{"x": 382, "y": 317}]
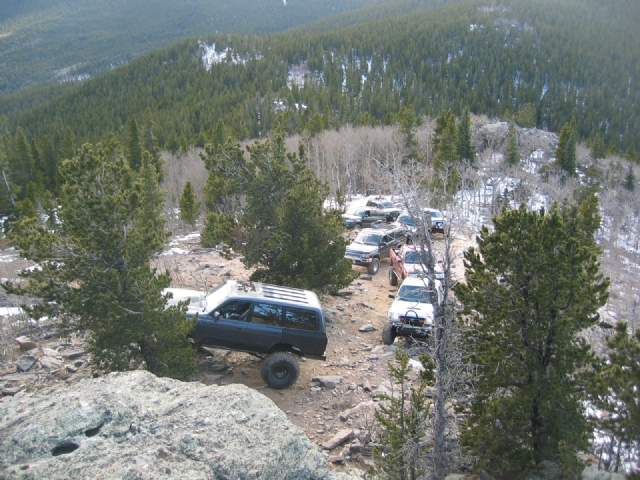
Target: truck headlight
[{"x": 394, "y": 317}]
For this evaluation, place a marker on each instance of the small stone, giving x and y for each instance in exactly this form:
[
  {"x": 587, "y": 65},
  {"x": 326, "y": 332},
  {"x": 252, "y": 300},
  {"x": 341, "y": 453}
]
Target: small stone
[
  {"x": 11, "y": 391},
  {"x": 25, "y": 363},
  {"x": 71, "y": 369},
  {"x": 26, "y": 343},
  {"x": 328, "y": 381},
  {"x": 338, "y": 439},
  {"x": 366, "y": 276},
  {"x": 336, "y": 459},
  {"x": 367, "y": 328}
]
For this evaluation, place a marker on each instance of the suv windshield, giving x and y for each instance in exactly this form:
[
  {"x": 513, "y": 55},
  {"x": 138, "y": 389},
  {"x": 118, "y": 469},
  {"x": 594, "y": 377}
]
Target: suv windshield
[
  {"x": 368, "y": 238},
  {"x": 414, "y": 293},
  {"x": 407, "y": 220},
  {"x": 435, "y": 214}
]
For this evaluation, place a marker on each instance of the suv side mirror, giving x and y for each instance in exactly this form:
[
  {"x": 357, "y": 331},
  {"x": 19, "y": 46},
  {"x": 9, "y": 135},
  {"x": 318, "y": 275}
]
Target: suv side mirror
[{"x": 216, "y": 315}]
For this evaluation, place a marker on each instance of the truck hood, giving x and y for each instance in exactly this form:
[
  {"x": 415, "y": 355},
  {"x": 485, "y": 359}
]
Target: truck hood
[
  {"x": 401, "y": 307},
  {"x": 194, "y": 297},
  {"x": 348, "y": 216},
  {"x": 357, "y": 248}
]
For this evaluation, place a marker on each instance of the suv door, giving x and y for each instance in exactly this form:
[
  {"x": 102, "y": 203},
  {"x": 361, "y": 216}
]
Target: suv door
[
  {"x": 372, "y": 216},
  {"x": 264, "y": 327},
  {"x": 225, "y": 326},
  {"x": 303, "y": 330}
]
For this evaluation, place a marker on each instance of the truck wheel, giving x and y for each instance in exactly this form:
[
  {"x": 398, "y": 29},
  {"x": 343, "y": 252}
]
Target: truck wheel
[
  {"x": 393, "y": 278},
  {"x": 374, "y": 266},
  {"x": 388, "y": 334},
  {"x": 280, "y": 370},
  {"x": 357, "y": 227}
]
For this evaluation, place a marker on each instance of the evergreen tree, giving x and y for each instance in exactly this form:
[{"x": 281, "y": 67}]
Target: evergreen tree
[
  {"x": 615, "y": 388},
  {"x": 532, "y": 287},
  {"x": 598, "y": 150},
  {"x": 566, "y": 149},
  {"x": 133, "y": 146},
  {"x": 465, "y": 148},
  {"x": 526, "y": 116},
  {"x": 218, "y": 228},
  {"x": 94, "y": 265},
  {"x": 630, "y": 181},
  {"x": 67, "y": 148},
  {"x": 631, "y": 154},
  {"x": 402, "y": 421},
  {"x": 513, "y": 152},
  {"x": 447, "y": 140},
  {"x": 408, "y": 122},
  {"x": 189, "y": 208},
  {"x": 290, "y": 239}
]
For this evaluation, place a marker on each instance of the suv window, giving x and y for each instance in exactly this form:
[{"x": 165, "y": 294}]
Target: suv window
[
  {"x": 300, "y": 319},
  {"x": 266, "y": 314},
  {"x": 235, "y": 310}
]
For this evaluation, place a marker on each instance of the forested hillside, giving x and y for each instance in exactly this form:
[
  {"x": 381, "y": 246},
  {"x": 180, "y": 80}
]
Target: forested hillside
[
  {"x": 45, "y": 41},
  {"x": 547, "y": 62}
]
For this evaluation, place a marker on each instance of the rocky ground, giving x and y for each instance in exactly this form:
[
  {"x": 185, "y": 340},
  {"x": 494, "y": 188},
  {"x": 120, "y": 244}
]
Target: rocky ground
[{"x": 332, "y": 401}]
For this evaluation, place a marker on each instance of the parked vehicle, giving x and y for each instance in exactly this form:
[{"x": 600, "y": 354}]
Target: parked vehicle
[
  {"x": 413, "y": 310},
  {"x": 411, "y": 224},
  {"x": 437, "y": 220},
  {"x": 387, "y": 206},
  {"x": 372, "y": 245},
  {"x": 364, "y": 217},
  {"x": 411, "y": 261},
  {"x": 279, "y": 322}
]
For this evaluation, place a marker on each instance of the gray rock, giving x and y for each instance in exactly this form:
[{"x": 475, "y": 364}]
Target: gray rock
[
  {"x": 11, "y": 391},
  {"x": 26, "y": 343},
  {"x": 367, "y": 328},
  {"x": 50, "y": 363},
  {"x": 338, "y": 439},
  {"x": 135, "y": 425},
  {"x": 328, "y": 381},
  {"x": 25, "y": 363},
  {"x": 73, "y": 354},
  {"x": 49, "y": 352}
]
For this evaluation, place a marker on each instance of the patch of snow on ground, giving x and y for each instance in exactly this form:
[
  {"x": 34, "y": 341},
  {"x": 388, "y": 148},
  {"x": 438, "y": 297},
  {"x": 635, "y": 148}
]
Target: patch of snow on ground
[{"x": 10, "y": 311}]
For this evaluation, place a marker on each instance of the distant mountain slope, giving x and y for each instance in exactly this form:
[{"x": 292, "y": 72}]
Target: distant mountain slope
[
  {"x": 56, "y": 40},
  {"x": 565, "y": 57}
]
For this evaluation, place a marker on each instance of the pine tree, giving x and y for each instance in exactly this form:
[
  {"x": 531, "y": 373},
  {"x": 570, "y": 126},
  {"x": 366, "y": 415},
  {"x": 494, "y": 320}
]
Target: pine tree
[
  {"x": 95, "y": 273},
  {"x": 402, "y": 420},
  {"x": 630, "y": 180},
  {"x": 408, "y": 122},
  {"x": 526, "y": 117},
  {"x": 189, "y": 208},
  {"x": 290, "y": 239},
  {"x": 566, "y": 149},
  {"x": 532, "y": 287},
  {"x": 614, "y": 389},
  {"x": 513, "y": 152},
  {"x": 598, "y": 150},
  {"x": 133, "y": 146},
  {"x": 465, "y": 148}
]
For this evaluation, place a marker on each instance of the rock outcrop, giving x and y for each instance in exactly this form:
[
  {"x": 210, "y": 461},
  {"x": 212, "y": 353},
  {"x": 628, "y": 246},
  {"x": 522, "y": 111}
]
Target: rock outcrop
[{"x": 135, "y": 425}]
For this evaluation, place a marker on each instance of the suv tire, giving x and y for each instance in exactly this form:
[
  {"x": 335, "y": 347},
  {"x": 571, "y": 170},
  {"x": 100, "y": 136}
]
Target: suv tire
[
  {"x": 388, "y": 334},
  {"x": 393, "y": 278},
  {"x": 374, "y": 266},
  {"x": 280, "y": 370},
  {"x": 357, "y": 227}
]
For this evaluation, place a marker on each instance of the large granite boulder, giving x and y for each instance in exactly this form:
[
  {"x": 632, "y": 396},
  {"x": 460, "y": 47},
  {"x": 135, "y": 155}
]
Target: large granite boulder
[{"x": 135, "y": 425}]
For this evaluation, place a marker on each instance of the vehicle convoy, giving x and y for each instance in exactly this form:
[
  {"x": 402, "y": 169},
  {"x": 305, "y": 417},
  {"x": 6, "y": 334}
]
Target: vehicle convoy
[
  {"x": 278, "y": 322},
  {"x": 411, "y": 261},
  {"x": 365, "y": 217},
  {"x": 372, "y": 245},
  {"x": 413, "y": 310}
]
